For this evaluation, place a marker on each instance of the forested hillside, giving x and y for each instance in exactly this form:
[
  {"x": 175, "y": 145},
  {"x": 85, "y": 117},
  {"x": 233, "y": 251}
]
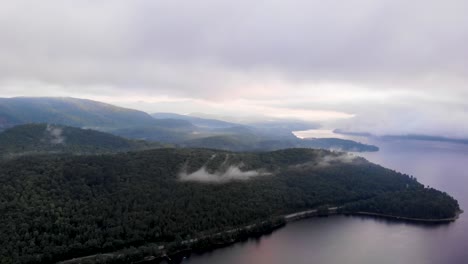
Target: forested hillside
[
  {"x": 46, "y": 138},
  {"x": 59, "y": 207},
  {"x": 68, "y": 111}
]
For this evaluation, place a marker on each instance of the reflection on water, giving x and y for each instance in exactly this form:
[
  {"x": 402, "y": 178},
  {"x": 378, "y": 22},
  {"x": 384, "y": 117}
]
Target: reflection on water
[{"x": 342, "y": 239}]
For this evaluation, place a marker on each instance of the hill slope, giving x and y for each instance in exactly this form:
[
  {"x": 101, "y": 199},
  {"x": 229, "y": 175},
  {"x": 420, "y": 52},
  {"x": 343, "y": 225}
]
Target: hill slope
[
  {"x": 46, "y": 138},
  {"x": 60, "y": 207},
  {"x": 68, "y": 111},
  {"x": 198, "y": 121}
]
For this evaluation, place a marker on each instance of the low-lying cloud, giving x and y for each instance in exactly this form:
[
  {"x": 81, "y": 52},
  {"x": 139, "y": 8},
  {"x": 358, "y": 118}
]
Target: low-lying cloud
[
  {"x": 232, "y": 173},
  {"x": 55, "y": 135},
  {"x": 328, "y": 160}
]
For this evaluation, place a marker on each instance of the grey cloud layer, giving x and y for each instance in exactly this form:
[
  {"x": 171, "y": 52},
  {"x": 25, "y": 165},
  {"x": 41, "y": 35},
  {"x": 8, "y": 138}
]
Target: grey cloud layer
[
  {"x": 150, "y": 43},
  {"x": 258, "y": 50}
]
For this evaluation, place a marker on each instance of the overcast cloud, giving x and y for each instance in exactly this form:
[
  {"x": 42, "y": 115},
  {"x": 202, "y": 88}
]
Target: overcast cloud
[{"x": 383, "y": 66}]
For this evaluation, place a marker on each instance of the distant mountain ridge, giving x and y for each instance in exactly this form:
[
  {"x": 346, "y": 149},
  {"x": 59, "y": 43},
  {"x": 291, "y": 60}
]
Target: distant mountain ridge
[
  {"x": 198, "y": 121},
  {"x": 238, "y": 143},
  {"x": 68, "y": 111},
  {"x": 181, "y": 130},
  {"x": 259, "y": 136}
]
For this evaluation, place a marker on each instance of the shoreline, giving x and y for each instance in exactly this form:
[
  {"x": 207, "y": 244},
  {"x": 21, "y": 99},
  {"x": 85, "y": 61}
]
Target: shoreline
[
  {"x": 421, "y": 220},
  {"x": 249, "y": 232}
]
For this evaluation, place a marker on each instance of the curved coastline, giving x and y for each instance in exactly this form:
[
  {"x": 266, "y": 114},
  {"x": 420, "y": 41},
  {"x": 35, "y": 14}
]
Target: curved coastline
[
  {"x": 305, "y": 215},
  {"x": 422, "y": 220},
  {"x": 251, "y": 232}
]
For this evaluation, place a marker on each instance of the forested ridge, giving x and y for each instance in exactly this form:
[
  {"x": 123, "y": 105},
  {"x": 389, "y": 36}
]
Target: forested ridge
[
  {"x": 56, "y": 207},
  {"x": 68, "y": 111},
  {"x": 416, "y": 204},
  {"x": 50, "y": 138}
]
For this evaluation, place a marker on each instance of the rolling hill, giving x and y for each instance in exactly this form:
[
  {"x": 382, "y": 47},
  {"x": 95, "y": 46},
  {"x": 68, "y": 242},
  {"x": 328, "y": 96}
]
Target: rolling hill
[
  {"x": 68, "y": 111},
  {"x": 46, "y": 138}
]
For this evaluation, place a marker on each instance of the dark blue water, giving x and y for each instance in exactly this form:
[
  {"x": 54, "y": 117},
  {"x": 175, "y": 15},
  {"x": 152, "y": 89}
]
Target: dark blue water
[{"x": 341, "y": 239}]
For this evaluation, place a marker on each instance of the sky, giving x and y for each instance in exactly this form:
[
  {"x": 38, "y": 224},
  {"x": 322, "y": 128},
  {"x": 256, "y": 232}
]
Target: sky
[{"x": 379, "y": 66}]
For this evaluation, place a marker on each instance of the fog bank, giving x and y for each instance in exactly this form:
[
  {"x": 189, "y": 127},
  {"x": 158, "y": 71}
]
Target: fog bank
[{"x": 230, "y": 174}]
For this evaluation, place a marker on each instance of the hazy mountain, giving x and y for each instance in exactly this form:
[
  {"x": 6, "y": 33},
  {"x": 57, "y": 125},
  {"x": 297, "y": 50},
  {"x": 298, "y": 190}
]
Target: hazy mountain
[
  {"x": 173, "y": 123},
  {"x": 68, "y": 111},
  {"x": 273, "y": 128},
  {"x": 45, "y": 138},
  {"x": 359, "y": 134},
  {"x": 282, "y": 126},
  {"x": 337, "y": 144},
  {"x": 223, "y": 142},
  {"x": 252, "y": 143},
  {"x": 265, "y": 136},
  {"x": 198, "y": 121},
  {"x": 157, "y": 133},
  {"x": 166, "y": 127}
]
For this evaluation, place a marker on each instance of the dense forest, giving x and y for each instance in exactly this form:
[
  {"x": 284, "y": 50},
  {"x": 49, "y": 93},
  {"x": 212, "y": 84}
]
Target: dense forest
[
  {"x": 48, "y": 138},
  {"x": 57, "y": 207},
  {"x": 419, "y": 204}
]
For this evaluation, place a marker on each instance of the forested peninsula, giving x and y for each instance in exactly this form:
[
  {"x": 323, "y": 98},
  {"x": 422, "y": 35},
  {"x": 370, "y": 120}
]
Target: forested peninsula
[{"x": 59, "y": 207}]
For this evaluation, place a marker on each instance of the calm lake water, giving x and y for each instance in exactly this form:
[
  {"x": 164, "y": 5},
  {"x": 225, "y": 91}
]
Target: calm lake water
[{"x": 347, "y": 239}]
